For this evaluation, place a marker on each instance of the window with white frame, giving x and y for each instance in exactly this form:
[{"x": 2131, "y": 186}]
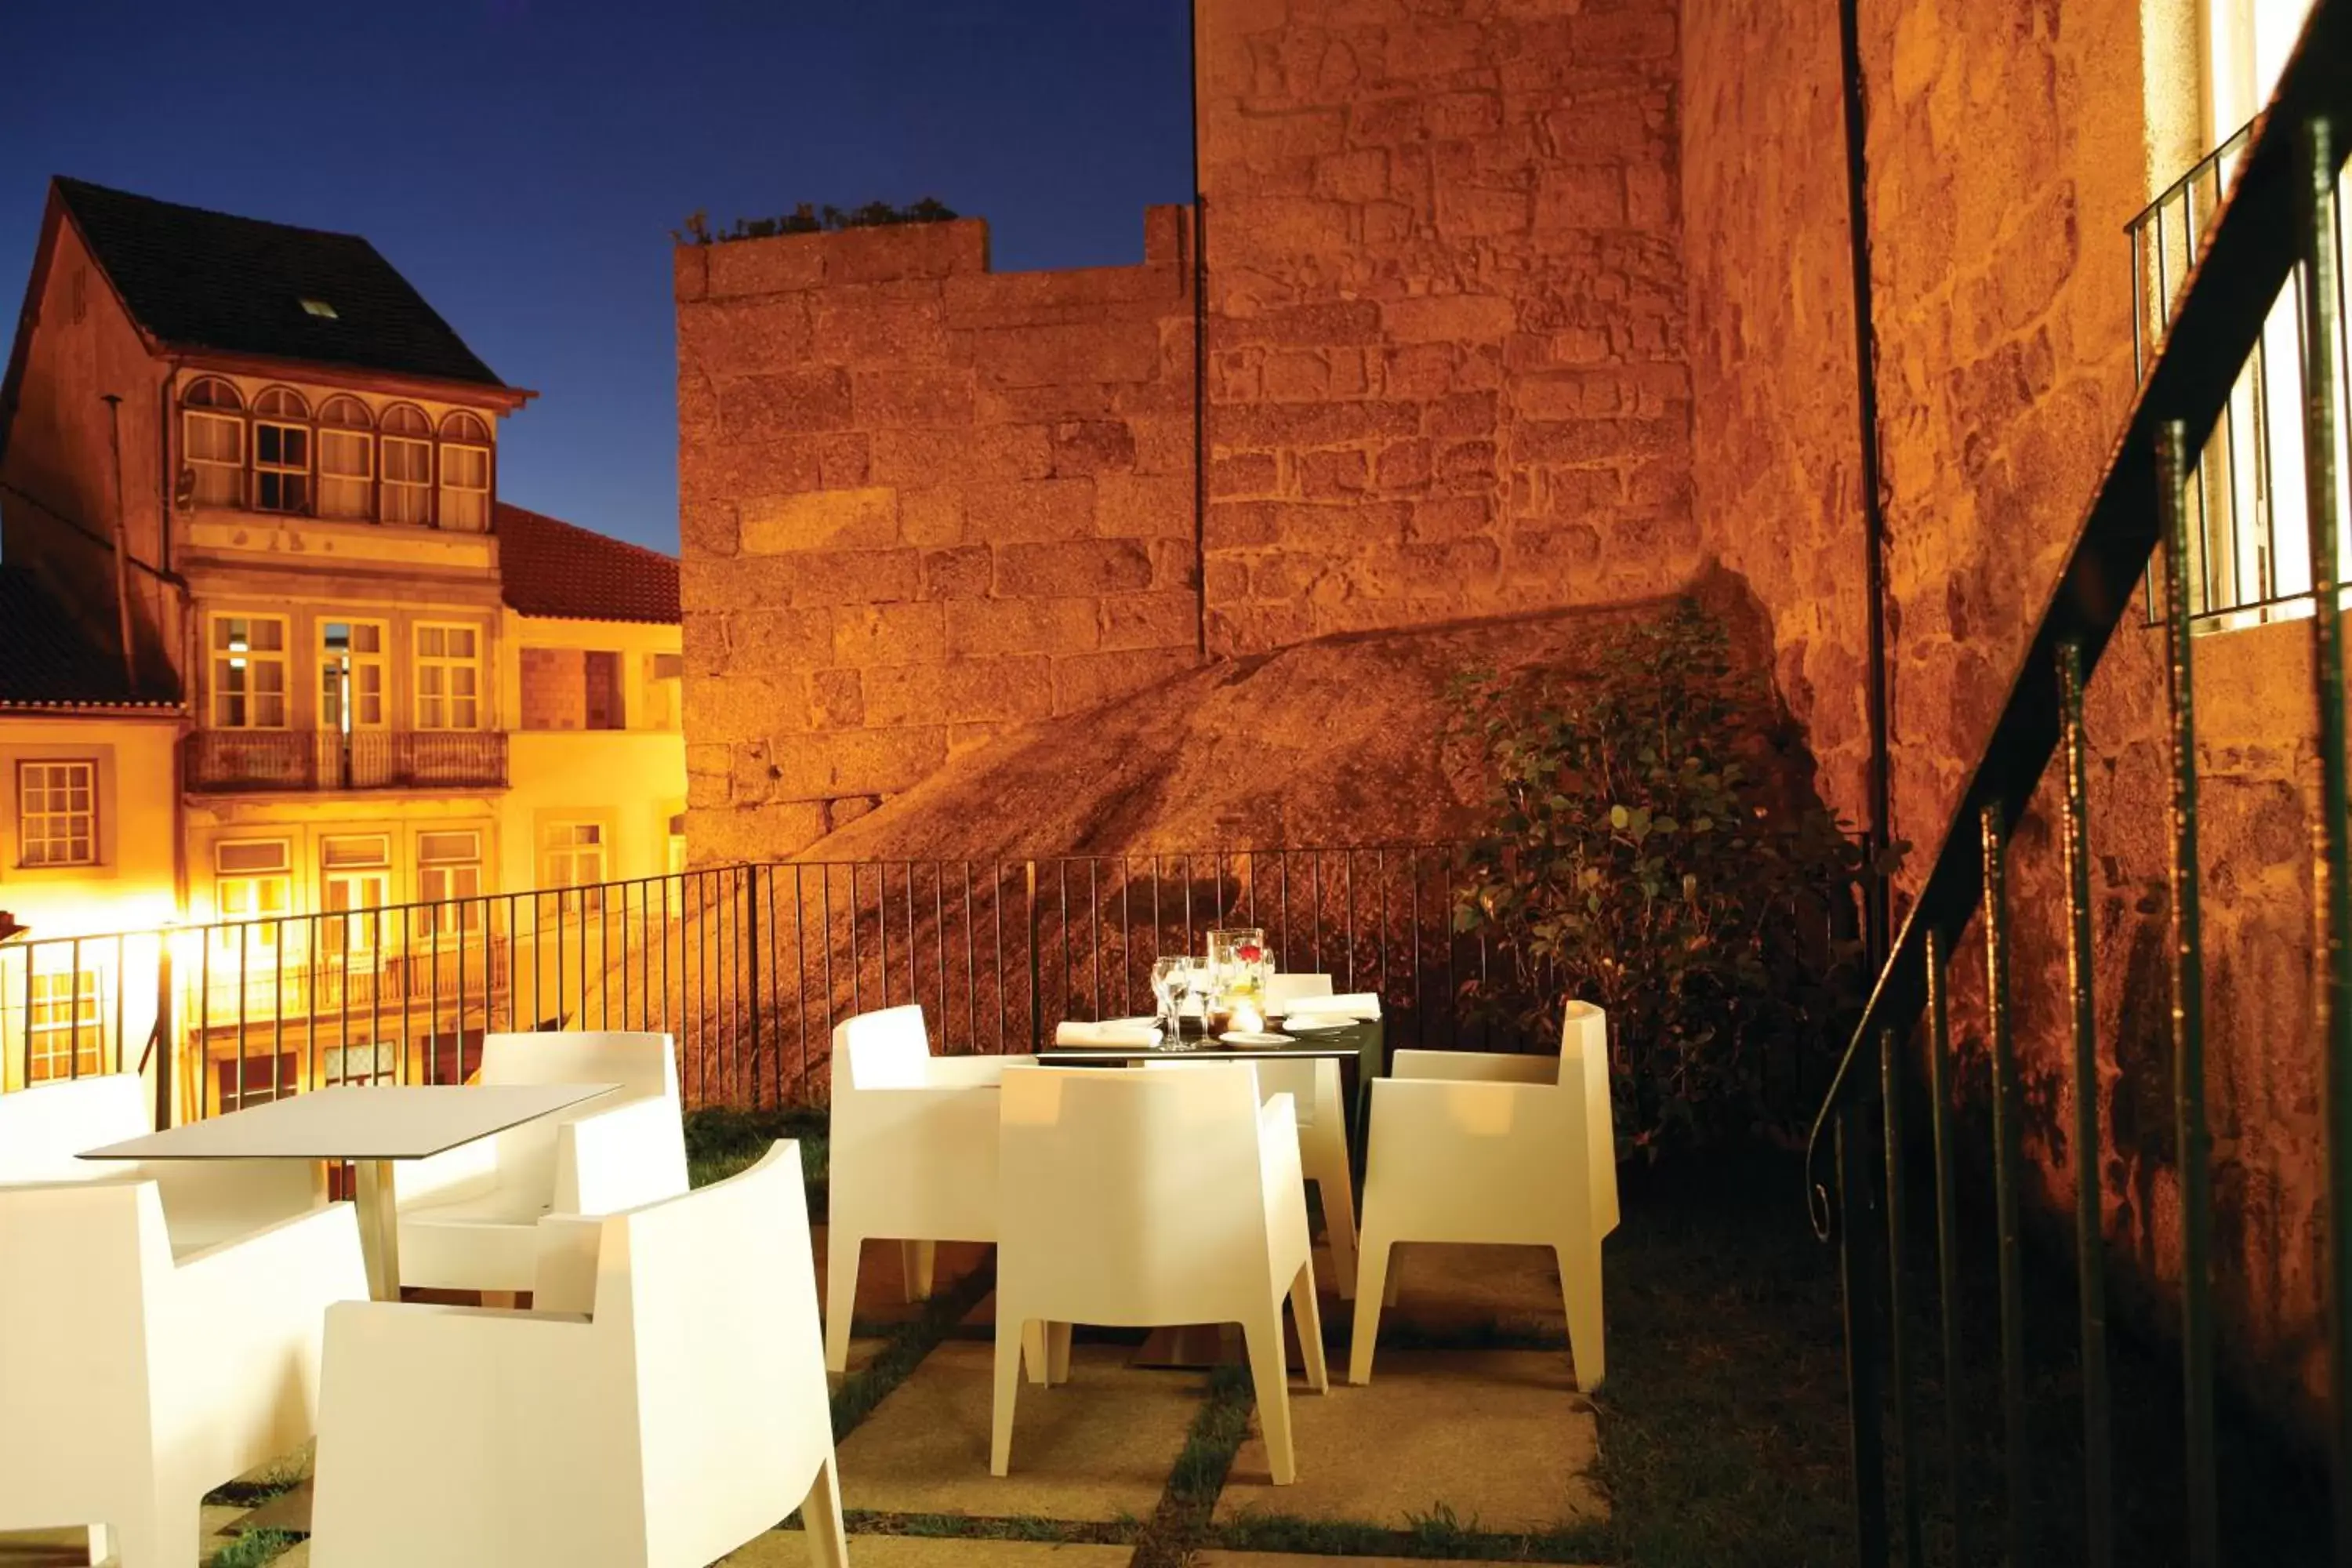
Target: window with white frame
[
  {"x": 66, "y": 1033},
  {"x": 572, "y": 855},
  {"x": 56, "y": 813},
  {"x": 212, "y": 441},
  {"x": 253, "y": 881},
  {"x": 248, "y": 673},
  {"x": 355, "y": 875},
  {"x": 464, "y": 473},
  {"x": 449, "y": 678},
  {"x": 407, "y": 448},
  {"x": 448, "y": 882},
  {"x": 346, "y": 460},
  {"x": 351, "y": 675},
  {"x": 281, "y": 451}
]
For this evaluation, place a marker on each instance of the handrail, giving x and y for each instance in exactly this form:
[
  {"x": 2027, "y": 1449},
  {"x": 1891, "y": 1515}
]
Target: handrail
[{"x": 2248, "y": 256}]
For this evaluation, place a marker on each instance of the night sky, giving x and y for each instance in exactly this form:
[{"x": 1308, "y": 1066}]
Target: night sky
[{"x": 524, "y": 161}]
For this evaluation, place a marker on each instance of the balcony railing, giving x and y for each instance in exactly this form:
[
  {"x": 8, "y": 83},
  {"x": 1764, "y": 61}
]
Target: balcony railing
[{"x": 265, "y": 760}]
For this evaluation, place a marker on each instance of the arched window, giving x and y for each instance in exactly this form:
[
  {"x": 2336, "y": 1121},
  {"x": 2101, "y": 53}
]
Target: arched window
[
  {"x": 281, "y": 451},
  {"x": 346, "y": 459},
  {"x": 212, "y": 441},
  {"x": 407, "y": 465},
  {"x": 464, "y": 473}
]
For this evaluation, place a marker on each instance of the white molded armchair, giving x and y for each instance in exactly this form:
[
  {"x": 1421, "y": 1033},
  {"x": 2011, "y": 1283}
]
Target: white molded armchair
[
  {"x": 1145, "y": 1199},
  {"x": 469, "y": 1218},
  {"x": 1314, "y": 1089},
  {"x": 133, "y": 1380},
  {"x": 1468, "y": 1146},
  {"x": 913, "y": 1153},
  {"x": 686, "y": 1416},
  {"x": 205, "y": 1201}
]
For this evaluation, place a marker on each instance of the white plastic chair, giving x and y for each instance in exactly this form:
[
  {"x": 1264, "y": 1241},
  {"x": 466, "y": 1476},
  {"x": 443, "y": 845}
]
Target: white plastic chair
[
  {"x": 1145, "y": 1199},
  {"x": 1472, "y": 1147},
  {"x": 686, "y": 1417},
  {"x": 469, "y": 1218},
  {"x": 1314, "y": 1090},
  {"x": 205, "y": 1201},
  {"x": 913, "y": 1155},
  {"x": 133, "y": 1380}
]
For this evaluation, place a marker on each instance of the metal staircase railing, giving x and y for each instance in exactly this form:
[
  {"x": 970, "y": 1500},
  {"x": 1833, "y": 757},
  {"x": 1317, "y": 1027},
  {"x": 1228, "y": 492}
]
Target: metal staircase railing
[{"x": 2275, "y": 218}]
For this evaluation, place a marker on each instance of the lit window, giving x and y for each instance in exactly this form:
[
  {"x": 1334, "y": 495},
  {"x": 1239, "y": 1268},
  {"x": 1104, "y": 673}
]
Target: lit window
[
  {"x": 248, "y": 673},
  {"x": 572, "y": 855},
  {"x": 665, "y": 690},
  {"x": 407, "y": 465},
  {"x": 253, "y": 881},
  {"x": 319, "y": 308},
  {"x": 212, "y": 440},
  {"x": 346, "y": 459},
  {"x": 350, "y": 675},
  {"x": 66, "y": 1025},
  {"x": 56, "y": 814},
  {"x": 281, "y": 451},
  {"x": 464, "y": 473},
  {"x": 356, "y": 875},
  {"x": 449, "y": 678},
  {"x": 448, "y": 882}
]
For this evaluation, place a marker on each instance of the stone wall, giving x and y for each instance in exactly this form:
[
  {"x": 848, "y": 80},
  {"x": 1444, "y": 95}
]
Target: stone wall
[
  {"x": 1446, "y": 298},
  {"x": 2007, "y": 148},
  {"x": 920, "y": 501}
]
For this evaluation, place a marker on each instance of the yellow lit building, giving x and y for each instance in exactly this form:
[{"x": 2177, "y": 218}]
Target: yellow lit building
[{"x": 255, "y": 457}]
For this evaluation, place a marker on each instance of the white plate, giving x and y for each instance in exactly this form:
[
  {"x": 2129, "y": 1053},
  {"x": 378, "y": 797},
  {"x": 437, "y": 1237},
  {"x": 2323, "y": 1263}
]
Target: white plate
[
  {"x": 1249, "y": 1037},
  {"x": 1315, "y": 1022}
]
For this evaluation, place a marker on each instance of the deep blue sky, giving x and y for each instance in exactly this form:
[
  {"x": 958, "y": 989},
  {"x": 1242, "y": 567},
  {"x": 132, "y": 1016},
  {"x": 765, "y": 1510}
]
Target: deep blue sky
[{"x": 524, "y": 161}]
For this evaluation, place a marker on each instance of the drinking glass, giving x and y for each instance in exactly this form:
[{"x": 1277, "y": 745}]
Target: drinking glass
[{"x": 1169, "y": 980}]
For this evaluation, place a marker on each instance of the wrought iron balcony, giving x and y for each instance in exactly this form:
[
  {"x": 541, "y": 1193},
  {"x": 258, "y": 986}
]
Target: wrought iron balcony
[{"x": 294, "y": 759}]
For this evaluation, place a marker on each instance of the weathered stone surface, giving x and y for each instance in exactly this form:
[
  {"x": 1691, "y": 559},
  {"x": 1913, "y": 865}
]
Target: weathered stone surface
[
  {"x": 789, "y": 1548},
  {"x": 820, "y": 519}
]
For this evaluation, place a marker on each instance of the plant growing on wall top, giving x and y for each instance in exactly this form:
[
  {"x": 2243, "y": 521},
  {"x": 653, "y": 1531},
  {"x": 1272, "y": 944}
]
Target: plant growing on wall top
[
  {"x": 1642, "y": 854},
  {"x": 808, "y": 218}
]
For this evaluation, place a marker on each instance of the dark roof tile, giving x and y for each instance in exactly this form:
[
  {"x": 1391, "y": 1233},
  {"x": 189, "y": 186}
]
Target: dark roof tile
[
  {"x": 47, "y": 661},
  {"x": 548, "y": 567}
]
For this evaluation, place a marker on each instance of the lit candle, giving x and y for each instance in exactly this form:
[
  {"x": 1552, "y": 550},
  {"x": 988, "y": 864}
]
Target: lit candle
[{"x": 1247, "y": 1019}]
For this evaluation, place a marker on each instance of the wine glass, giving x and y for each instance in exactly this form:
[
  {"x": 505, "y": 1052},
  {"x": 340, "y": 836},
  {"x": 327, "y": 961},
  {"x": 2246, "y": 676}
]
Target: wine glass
[{"x": 1169, "y": 978}]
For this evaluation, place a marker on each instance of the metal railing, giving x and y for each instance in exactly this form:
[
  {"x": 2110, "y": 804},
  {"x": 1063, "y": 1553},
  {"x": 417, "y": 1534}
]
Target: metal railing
[
  {"x": 750, "y": 967},
  {"x": 2248, "y": 535},
  {"x": 2275, "y": 225},
  {"x": 270, "y": 760}
]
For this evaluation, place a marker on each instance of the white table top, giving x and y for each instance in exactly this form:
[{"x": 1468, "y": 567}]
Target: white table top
[{"x": 359, "y": 1121}]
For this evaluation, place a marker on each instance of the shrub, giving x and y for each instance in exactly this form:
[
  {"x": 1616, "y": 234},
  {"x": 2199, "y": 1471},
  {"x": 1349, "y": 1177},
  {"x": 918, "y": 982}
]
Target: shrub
[
  {"x": 809, "y": 218},
  {"x": 1644, "y": 855}
]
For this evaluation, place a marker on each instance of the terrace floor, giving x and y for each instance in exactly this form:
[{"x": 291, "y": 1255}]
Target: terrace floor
[{"x": 1472, "y": 1442}]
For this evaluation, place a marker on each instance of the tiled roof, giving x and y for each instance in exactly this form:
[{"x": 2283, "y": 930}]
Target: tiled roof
[
  {"x": 45, "y": 662},
  {"x": 205, "y": 279},
  {"x": 548, "y": 567}
]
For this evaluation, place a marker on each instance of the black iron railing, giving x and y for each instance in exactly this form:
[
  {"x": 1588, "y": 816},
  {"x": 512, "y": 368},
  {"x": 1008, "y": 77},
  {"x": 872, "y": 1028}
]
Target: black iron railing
[
  {"x": 272, "y": 760},
  {"x": 750, "y": 967},
  {"x": 2248, "y": 534},
  {"x": 2276, "y": 224}
]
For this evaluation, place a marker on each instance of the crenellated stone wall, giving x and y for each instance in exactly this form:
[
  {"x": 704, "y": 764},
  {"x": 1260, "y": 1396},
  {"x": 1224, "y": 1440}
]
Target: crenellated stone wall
[{"x": 920, "y": 501}]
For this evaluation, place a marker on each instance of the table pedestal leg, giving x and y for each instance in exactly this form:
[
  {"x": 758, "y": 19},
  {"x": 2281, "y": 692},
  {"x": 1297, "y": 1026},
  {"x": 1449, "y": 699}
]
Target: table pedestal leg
[{"x": 379, "y": 1228}]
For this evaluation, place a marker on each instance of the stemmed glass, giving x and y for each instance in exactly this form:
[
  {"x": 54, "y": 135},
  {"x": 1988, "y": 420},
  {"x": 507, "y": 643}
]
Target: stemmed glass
[{"x": 1171, "y": 978}]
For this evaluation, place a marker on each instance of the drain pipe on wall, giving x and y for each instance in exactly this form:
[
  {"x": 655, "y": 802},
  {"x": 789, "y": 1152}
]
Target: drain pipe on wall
[
  {"x": 1878, "y": 912},
  {"x": 1200, "y": 259}
]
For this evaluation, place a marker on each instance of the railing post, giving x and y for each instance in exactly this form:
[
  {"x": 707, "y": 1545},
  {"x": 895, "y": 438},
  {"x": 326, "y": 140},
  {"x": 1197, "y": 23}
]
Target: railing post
[
  {"x": 1859, "y": 1275},
  {"x": 1036, "y": 1003},
  {"x": 750, "y": 928},
  {"x": 164, "y": 1035}
]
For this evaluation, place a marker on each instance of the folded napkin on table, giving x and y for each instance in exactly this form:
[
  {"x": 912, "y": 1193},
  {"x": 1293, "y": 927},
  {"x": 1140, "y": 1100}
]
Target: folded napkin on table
[
  {"x": 1079, "y": 1033},
  {"x": 1350, "y": 1004}
]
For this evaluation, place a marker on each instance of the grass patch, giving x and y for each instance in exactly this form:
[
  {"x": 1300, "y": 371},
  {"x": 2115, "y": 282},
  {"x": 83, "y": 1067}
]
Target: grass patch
[
  {"x": 1120, "y": 1531},
  {"x": 1217, "y": 1434},
  {"x": 282, "y": 1477},
  {"x": 1437, "y": 1534},
  {"x": 252, "y": 1549},
  {"x": 721, "y": 1141}
]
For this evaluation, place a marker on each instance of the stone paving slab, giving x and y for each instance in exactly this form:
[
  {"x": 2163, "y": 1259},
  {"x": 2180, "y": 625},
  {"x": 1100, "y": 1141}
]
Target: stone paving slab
[
  {"x": 1294, "y": 1560},
  {"x": 1095, "y": 1449},
  {"x": 1456, "y": 1289},
  {"x": 1501, "y": 1437},
  {"x": 788, "y": 1548}
]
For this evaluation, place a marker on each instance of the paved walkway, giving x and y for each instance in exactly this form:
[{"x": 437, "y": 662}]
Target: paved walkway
[{"x": 1453, "y": 1441}]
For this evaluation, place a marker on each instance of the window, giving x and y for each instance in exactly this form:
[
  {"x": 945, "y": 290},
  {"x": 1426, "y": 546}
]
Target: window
[
  {"x": 346, "y": 460},
  {"x": 464, "y": 473},
  {"x": 676, "y": 843},
  {"x": 356, "y": 875},
  {"x": 449, "y": 678},
  {"x": 65, "y": 1026},
  {"x": 253, "y": 881},
  {"x": 211, "y": 442},
  {"x": 572, "y": 855},
  {"x": 449, "y": 879},
  {"x": 407, "y": 465},
  {"x": 665, "y": 684},
  {"x": 248, "y": 673},
  {"x": 319, "y": 308},
  {"x": 601, "y": 675},
  {"x": 281, "y": 451},
  {"x": 56, "y": 814},
  {"x": 350, "y": 675}
]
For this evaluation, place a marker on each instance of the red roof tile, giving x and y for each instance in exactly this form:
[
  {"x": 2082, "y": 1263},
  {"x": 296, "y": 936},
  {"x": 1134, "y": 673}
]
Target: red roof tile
[{"x": 552, "y": 568}]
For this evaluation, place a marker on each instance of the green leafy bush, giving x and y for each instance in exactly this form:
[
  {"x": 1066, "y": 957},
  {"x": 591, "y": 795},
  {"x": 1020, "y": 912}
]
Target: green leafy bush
[
  {"x": 809, "y": 218},
  {"x": 1644, "y": 854}
]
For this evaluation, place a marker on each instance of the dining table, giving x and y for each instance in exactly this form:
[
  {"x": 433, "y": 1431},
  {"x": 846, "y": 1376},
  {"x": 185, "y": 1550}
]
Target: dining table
[{"x": 372, "y": 1127}]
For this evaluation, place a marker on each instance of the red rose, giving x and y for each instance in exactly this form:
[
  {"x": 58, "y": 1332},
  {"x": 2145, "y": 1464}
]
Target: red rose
[{"x": 1249, "y": 954}]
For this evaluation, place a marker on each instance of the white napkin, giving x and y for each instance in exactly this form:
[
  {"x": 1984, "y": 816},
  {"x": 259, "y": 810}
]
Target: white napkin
[
  {"x": 1081, "y": 1034},
  {"x": 1350, "y": 1004}
]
